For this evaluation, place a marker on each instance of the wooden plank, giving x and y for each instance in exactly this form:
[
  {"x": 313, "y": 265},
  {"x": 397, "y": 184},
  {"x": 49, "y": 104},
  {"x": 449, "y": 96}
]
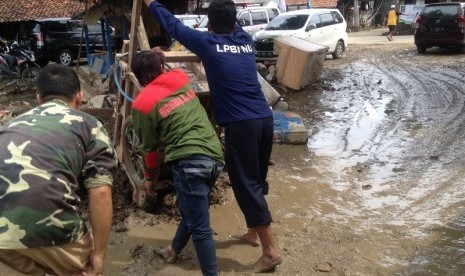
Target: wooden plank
[
  {"x": 135, "y": 20},
  {"x": 197, "y": 69},
  {"x": 134, "y": 80},
  {"x": 271, "y": 95},
  {"x": 181, "y": 56},
  {"x": 142, "y": 36},
  {"x": 119, "y": 116}
]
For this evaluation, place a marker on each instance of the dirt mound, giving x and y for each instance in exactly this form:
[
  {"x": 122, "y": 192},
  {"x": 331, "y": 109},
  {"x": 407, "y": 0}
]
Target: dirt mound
[{"x": 164, "y": 209}]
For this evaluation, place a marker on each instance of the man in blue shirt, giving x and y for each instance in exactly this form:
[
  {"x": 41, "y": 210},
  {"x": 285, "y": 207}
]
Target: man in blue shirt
[{"x": 239, "y": 106}]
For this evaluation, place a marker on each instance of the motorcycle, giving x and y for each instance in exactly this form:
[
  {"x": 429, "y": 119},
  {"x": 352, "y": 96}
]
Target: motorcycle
[{"x": 18, "y": 62}]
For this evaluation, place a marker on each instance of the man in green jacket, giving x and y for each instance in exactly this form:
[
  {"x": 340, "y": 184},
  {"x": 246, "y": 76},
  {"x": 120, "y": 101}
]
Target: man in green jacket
[{"x": 167, "y": 113}]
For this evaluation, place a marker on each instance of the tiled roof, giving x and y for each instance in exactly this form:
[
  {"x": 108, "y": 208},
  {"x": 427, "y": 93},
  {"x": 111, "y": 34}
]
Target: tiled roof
[{"x": 21, "y": 10}]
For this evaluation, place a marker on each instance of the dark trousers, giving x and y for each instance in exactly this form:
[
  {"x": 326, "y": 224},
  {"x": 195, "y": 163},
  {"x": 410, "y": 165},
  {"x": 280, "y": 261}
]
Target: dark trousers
[{"x": 248, "y": 146}]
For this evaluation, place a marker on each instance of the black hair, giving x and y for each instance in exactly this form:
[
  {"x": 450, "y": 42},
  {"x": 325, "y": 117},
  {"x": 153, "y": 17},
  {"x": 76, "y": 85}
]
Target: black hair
[
  {"x": 58, "y": 81},
  {"x": 147, "y": 65},
  {"x": 222, "y": 16}
]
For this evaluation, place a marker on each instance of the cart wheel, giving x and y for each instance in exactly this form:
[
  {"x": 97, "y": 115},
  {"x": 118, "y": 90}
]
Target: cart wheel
[{"x": 133, "y": 162}]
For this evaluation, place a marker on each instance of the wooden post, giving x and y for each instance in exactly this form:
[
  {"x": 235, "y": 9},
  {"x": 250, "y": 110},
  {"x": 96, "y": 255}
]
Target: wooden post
[
  {"x": 142, "y": 36},
  {"x": 125, "y": 108},
  {"x": 135, "y": 20}
]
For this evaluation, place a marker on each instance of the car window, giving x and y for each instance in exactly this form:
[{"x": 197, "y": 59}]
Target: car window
[
  {"x": 446, "y": 11},
  {"x": 29, "y": 27},
  {"x": 189, "y": 22},
  {"x": 91, "y": 29},
  {"x": 337, "y": 17},
  {"x": 95, "y": 28},
  {"x": 326, "y": 19},
  {"x": 58, "y": 27},
  {"x": 203, "y": 23},
  {"x": 244, "y": 18},
  {"x": 287, "y": 22},
  {"x": 272, "y": 13},
  {"x": 314, "y": 20},
  {"x": 259, "y": 17}
]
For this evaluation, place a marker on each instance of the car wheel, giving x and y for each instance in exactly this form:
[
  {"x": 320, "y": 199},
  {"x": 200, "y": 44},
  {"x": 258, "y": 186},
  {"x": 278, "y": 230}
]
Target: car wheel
[
  {"x": 421, "y": 49},
  {"x": 65, "y": 57},
  {"x": 339, "y": 50}
]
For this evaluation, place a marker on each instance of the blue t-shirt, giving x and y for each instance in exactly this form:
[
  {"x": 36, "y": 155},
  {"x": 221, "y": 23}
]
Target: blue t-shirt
[{"x": 229, "y": 63}]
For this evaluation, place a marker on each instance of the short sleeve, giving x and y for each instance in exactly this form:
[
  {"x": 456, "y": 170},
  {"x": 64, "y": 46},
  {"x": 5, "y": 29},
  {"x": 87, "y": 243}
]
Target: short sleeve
[{"x": 98, "y": 171}]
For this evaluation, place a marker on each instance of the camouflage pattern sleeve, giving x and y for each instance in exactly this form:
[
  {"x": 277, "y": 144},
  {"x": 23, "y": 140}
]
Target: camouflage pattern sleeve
[{"x": 102, "y": 159}]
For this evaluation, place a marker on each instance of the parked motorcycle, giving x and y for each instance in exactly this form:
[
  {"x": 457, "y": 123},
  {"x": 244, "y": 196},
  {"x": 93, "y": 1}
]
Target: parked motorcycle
[{"x": 18, "y": 62}]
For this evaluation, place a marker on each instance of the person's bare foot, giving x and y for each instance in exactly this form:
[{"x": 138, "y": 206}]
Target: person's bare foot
[
  {"x": 265, "y": 264},
  {"x": 250, "y": 238},
  {"x": 168, "y": 254}
]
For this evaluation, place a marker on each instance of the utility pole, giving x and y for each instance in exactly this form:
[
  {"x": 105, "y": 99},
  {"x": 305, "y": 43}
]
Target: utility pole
[{"x": 356, "y": 16}]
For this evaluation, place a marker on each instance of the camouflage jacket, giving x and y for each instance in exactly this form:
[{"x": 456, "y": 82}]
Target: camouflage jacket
[{"x": 45, "y": 155}]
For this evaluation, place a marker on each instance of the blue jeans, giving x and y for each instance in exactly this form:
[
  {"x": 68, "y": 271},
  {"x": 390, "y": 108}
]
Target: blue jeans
[{"x": 193, "y": 177}]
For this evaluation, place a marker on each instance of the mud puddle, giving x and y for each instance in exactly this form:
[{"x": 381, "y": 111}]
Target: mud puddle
[{"x": 387, "y": 141}]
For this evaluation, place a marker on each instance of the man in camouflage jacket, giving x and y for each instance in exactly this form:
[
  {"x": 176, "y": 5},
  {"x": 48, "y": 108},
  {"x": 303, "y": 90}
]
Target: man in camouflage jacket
[{"x": 46, "y": 155}]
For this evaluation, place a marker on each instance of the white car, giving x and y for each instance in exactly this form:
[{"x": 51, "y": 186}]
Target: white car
[
  {"x": 326, "y": 27},
  {"x": 190, "y": 20},
  {"x": 252, "y": 19}
]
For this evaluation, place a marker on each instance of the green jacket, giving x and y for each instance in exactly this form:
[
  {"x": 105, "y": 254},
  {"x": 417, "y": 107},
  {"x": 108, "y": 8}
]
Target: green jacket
[{"x": 167, "y": 113}]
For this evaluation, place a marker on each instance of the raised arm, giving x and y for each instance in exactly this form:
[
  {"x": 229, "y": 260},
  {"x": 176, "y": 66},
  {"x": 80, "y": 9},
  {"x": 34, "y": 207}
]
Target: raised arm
[{"x": 188, "y": 37}]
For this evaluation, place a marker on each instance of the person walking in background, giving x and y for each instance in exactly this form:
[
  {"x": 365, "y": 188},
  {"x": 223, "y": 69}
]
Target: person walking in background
[
  {"x": 168, "y": 113},
  {"x": 391, "y": 21},
  {"x": 240, "y": 107},
  {"x": 46, "y": 155}
]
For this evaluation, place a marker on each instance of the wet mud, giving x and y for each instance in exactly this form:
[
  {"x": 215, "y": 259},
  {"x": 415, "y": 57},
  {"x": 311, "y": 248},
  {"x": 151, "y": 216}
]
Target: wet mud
[{"x": 377, "y": 190}]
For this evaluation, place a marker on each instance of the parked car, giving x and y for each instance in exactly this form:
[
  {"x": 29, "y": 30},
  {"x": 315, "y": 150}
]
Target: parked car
[
  {"x": 323, "y": 26},
  {"x": 190, "y": 20},
  {"x": 59, "y": 39},
  {"x": 440, "y": 24},
  {"x": 252, "y": 19}
]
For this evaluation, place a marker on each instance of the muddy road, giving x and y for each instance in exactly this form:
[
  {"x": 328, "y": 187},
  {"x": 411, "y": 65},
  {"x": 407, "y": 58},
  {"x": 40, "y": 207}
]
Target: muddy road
[{"x": 378, "y": 189}]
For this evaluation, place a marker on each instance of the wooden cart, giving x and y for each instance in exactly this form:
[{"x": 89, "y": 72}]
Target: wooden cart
[{"x": 124, "y": 137}]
